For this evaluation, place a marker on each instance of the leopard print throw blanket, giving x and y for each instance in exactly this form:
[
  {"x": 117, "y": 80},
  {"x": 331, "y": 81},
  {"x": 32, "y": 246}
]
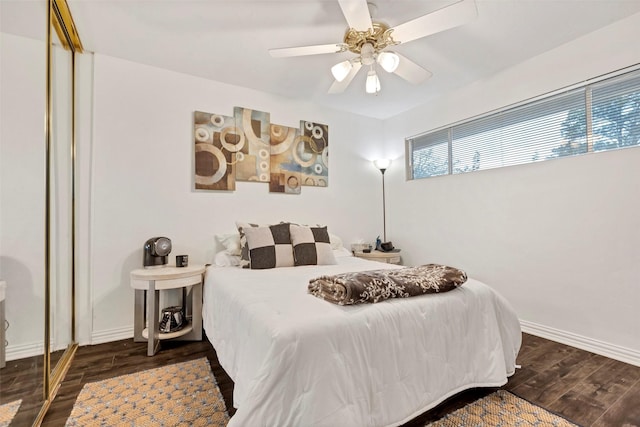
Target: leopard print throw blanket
[{"x": 379, "y": 285}]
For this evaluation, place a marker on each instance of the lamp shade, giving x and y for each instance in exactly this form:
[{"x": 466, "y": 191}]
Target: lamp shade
[
  {"x": 373, "y": 82},
  {"x": 341, "y": 70},
  {"x": 389, "y": 61},
  {"x": 382, "y": 163}
]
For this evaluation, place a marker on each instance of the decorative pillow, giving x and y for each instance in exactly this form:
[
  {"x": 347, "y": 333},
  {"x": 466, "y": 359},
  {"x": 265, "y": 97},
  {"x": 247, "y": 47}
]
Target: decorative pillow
[
  {"x": 269, "y": 247},
  {"x": 230, "y": 241},
  {"x": 244, "y": 250},
  {"x": 311, "y": 246},
  {"x": 336, "y": 241}
]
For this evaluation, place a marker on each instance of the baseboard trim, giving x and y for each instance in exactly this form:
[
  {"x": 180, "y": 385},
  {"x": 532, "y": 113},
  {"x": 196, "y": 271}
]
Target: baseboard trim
[
  {"x": 110, "y": 335},
  {"x": 602, "y": 348},
  {"x": 21, "y": 351}
]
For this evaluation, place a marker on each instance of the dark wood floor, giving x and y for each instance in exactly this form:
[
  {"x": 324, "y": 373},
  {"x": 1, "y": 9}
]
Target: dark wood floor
[
  {"x": 586, "y": 388},
  {"x": 23, "y": 379}
]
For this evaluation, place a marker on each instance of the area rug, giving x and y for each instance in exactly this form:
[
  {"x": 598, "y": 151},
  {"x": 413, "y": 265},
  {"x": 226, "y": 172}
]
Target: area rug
[
  {"x": 501, "y": 409},
  {"x": 8, "y": 411},
  {"x": 182, "y": 394}
]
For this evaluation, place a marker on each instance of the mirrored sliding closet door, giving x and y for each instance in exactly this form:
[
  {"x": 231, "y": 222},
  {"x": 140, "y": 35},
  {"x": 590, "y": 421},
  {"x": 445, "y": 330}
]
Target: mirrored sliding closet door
[{"x": 37, "y": 203}]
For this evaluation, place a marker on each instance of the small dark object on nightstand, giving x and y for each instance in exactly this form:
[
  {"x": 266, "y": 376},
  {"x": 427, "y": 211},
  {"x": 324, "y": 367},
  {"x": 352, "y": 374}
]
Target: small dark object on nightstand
[
  {"x": 386, "y": 247},
  {"x": 182, "y": 260}
]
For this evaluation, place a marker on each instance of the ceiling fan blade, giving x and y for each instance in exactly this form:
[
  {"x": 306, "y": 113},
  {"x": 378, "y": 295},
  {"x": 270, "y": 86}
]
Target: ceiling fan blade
[
  {"x": 306, "y": 50},
  {"x": 357, "y": 14},
  {"x": 339, "y": 87},
  {"x": 411, "y": 72},
  {"x": 434, "y": 22}
]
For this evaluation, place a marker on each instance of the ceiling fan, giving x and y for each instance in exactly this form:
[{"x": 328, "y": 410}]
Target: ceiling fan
[{"x": 369, "y": 41}]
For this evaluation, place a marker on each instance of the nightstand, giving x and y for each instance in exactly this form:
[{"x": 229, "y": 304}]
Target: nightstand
[
  {"x": 387, "y": 257},
  {"x": 148, "y": 282}
]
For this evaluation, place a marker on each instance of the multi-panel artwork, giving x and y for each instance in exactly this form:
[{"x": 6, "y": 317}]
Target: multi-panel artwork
[
  {"x": 313, "y": 154},
  {"x": 217, "y": 143},
  {"x": 253, "y": 162},
  {"x": 285, "y": 171},
  {"x": 247, "y": 147}
]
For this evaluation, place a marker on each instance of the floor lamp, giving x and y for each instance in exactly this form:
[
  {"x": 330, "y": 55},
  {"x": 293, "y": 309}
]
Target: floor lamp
[{"x": 383, "y": 164}]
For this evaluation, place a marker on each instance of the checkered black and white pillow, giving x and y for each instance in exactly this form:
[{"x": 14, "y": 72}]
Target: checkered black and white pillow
[
  {"x": 269, "y": 247},
  {"x": 244, "y": 249},
  {"x": 311, "y": 245}
]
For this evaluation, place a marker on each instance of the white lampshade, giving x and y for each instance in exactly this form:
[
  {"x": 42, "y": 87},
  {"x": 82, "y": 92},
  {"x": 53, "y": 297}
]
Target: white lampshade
[
  {"x": 389, "y": 61},
  {"x": 382, "y": 163},
  {"x": 341, "y": 70},
  {"x": 373, "y": 82}
]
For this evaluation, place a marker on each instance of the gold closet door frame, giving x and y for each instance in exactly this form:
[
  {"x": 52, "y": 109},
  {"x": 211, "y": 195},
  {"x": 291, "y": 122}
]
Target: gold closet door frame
[{"x": 58, "y": 17}]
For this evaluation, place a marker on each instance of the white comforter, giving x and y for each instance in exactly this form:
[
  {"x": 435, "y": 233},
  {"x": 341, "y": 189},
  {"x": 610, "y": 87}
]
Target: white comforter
[{"x": 297, "y": 360}]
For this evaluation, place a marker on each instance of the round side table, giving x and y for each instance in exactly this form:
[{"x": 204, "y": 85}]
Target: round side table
[
  {"x": 387, "y": 257},
  {"x": 147, "y": 283}
]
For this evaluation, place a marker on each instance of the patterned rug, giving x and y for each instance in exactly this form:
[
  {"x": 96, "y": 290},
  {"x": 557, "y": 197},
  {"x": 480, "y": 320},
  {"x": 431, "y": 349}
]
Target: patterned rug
[
  {"x": 501, "y": 409},
  {"x": 8, "y": 411},
  {"x": 183, "y": 394}
]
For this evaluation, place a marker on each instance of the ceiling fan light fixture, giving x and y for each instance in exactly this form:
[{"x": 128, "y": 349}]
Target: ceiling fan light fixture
[
  {"x": 368, "y": 40},
  {"x": 341, "y": 70},
  {"x": 373, "y": 82},
  {"x": 389, "y": 61},
  {"x": 367, "y": 54}
]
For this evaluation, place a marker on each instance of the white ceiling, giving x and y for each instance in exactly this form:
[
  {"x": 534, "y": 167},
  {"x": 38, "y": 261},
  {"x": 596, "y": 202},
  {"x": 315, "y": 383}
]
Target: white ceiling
[{"x": 228, "y": 41}]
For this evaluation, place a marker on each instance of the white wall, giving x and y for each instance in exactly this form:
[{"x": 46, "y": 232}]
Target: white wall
[
  {"x": 142, "y": 177},
  {"x": 22, "y": 103},
  {"x": 558, "y": 239}
]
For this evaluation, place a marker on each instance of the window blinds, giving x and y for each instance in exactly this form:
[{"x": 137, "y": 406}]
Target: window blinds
[
  {"x": 599, "y": 116},
  {"x": 615, "y": 112}
]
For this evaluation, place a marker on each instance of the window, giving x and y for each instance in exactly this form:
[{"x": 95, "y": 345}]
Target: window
[
  {"x": 615, "y": 113},
  {"x": 430, "y": 155},
  {"x": 595, "y": 117}
]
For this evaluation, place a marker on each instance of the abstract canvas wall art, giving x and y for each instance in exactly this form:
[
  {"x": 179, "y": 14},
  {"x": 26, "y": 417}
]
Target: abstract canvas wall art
[
  {"x": 285, "y": 171},
  {"x": 312, "y": 153},
  {"x": 253, "y": 158},
  {"x": 247, "y": 147},
  {"x": 216, "y": 143}
]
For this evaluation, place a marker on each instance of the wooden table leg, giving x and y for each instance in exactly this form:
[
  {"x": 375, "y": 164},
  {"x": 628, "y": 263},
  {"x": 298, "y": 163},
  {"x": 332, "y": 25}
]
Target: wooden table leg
[
  {"x": 196, "y": 299},
  {"x": 139, "y": 315}
]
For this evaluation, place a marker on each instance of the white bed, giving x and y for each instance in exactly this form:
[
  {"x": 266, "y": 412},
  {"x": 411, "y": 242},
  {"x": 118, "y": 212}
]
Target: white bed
[{"x": 297, "y": 360}]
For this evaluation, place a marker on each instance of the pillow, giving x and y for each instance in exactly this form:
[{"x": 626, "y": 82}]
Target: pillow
[
  {"x": 336, "y": 242},
  {"x": 269, "y": 247},
  {"x": 342, "y": 252},
  {"x": 311, "y": 246},
  {"x": 230, "y": 241},
  {"x": 225, "y": 259},
  {"x": 244, "y": 250}
]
